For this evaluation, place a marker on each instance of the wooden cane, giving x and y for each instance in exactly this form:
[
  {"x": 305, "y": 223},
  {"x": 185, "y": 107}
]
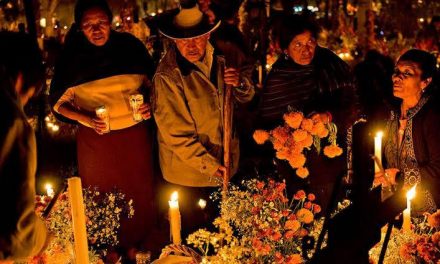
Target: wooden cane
[{"x": 227, "y": 133}]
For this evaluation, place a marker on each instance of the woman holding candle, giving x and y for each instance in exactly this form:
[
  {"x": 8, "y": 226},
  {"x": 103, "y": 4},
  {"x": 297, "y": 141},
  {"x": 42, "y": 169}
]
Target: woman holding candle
[
  {"x": 411, "y": 143},
  {"x": 100, "y": 69}
]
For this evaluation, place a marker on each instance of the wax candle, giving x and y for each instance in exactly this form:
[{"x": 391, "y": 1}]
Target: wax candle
[
  {"x": 407, "y": 212},
  {"x": 174, "y": 215},
  {"x": 378, "y": 151},
  {"x": 78, "y": 220}
]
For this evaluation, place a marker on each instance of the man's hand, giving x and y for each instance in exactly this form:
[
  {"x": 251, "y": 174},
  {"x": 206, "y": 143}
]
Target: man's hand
[
  {"x": 220, "y": 172},
  {"x": 232, "y": 77},
  {"x": 386, "y": 178},
  {"x": 145, "y": 111}
]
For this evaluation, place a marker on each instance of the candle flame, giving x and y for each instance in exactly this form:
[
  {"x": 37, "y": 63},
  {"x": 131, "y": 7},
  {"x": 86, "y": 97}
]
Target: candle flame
[
  {"x": 202, "y": 203},
  {"x": 174, "y": 196},
  {"x": 411, "y": 193},
  {"x": 48, "y": 186},
  {"x": 379, "y": 134}
]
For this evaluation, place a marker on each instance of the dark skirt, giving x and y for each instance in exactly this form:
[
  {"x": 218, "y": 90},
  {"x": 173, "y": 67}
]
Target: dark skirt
[{"x": 122, "y": 159}]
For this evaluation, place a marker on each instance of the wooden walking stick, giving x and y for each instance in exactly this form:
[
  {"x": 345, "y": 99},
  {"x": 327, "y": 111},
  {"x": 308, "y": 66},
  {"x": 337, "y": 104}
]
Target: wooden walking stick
[{"x": 227, "y": 133}]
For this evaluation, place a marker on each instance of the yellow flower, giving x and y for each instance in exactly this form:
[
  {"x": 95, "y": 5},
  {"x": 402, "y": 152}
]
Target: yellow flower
[
  {"x": 294, "y": 259},
  {"x": 297, "y": 160},
  {"x": 302, "y": 172},
  {"x": 305, "y": 216},
  {"x": 293, "y": 119},
  {"x": 323, "y": 133},
  {"x": 281, "y": 134},
  {"x": 299, "y": 135},
  {"x": 261, "y": 136},
  {"x": 332, "y": 151},
  {"x": 434, "y": 219}
]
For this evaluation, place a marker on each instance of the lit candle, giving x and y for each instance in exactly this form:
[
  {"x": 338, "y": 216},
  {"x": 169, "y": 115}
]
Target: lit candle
[
  {"x": 202, "y": 203},
  {"x": 378, "y": 151},
  {"x": 78, "y": 220},
  {"x": 49, "y": 190},
  {"x": 406, "y": 226},
  {"x": 260, "y": 75},
  {"x": 174, "y": 215}
]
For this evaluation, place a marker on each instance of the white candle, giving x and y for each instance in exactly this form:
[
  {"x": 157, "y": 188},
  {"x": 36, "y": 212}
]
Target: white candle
[
  {"x": 78, "y": 220},
  {"x": 49, "y": 190},
  {"x": 378, "y": 151},
  {"x": 174, "y": 215},
  {"x": 406, "y": 226}
]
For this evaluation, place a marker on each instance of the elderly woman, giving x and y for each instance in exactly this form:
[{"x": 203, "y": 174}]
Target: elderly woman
[
  {"x": 309, "y": 78},
  {"x": 101, "y": 67},
  {"x": 411, "y": 141}
]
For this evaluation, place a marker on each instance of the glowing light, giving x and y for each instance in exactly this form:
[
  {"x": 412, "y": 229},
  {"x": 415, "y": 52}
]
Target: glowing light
[
  {"x": 202, "y": 203},
  {"x": 174, "y": 196},
  {"x": 49, "y": 189},
  {"x": 411, "y": 193},
  {"x": 43, "y": 22}
]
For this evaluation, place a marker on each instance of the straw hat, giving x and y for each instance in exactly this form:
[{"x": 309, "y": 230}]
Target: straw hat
[{"x": 187, "y": 22}]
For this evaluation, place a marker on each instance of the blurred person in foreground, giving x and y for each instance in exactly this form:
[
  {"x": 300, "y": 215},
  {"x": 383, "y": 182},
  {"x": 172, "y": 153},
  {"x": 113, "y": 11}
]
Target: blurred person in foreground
[{"x": 22, "y": 233}]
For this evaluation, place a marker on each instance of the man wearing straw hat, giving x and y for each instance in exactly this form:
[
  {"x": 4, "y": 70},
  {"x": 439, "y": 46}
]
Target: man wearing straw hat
[{"x": 189, "y": 86}]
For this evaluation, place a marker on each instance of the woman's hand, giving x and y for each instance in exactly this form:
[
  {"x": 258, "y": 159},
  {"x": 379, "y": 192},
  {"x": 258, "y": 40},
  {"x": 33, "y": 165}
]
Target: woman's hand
[
  {"x": 386, "y": 178},
  {"x": 145, "y": 111},
  {"x": 95, "y": 123}
]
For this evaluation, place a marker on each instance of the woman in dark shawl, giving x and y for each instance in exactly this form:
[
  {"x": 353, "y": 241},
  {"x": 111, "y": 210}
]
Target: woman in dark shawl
[{"x": 102, "y": 67}]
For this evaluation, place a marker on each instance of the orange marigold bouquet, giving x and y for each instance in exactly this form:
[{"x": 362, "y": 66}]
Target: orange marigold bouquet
[
  {"x": 299, "y": 134},
  {"x": 259, "y": 224}
]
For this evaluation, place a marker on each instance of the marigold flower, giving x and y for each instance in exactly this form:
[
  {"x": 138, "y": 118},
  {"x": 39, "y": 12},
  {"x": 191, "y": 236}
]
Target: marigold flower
[
  {"x": 436, "y": 239},
  {"x": 279, "y": 258},
  {"x": 305, "y": 216},
  {"x": 289, "y": 234},
  {"x": 292, "y": 225},
  {"x": 316, "y": 208},
  {"x": 307, "y": 142},
  {"x": 323, "y": 133},
  {"x": 297, "y": 161},
  {"x": 293, "y": 119},
  {"x": 307, "y": 124},
  {"x": 276, "y": 236},
  {"x": 406, "y": 252},
  {"x": 299, "y": 135},
  {"x": 303, "y": 232},
  {"x": 283, "y": 154},
  {"x": 332, "y": 151},
  {"x": 311, "y": 197},
  {"x": 261, "y": 136},
  {"x": 299, "y": 195},
  {"x": 434, "y": 220},
  {"x": 281, "y": 134},
  {"x": 260, "y": 185},
  {"x": 318, "y": 128},
  {"x": 294, "y": 259},
  {"x": 302, "y": 172},
  {"x": 308, "y": 205},
  {"x": 278, "y": 145}
]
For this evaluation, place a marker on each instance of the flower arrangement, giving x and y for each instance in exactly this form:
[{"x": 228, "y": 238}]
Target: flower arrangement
[
  {"x": 259, "y": 224},
  {"x": 422, "y": 245},
  {"x": 298, "y": 134},
  {"x": 103, "y": 215}
]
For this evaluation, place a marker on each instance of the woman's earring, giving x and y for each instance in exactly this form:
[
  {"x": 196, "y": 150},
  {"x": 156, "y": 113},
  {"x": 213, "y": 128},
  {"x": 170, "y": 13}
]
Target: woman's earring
[{"x": 286, "y": 56}]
